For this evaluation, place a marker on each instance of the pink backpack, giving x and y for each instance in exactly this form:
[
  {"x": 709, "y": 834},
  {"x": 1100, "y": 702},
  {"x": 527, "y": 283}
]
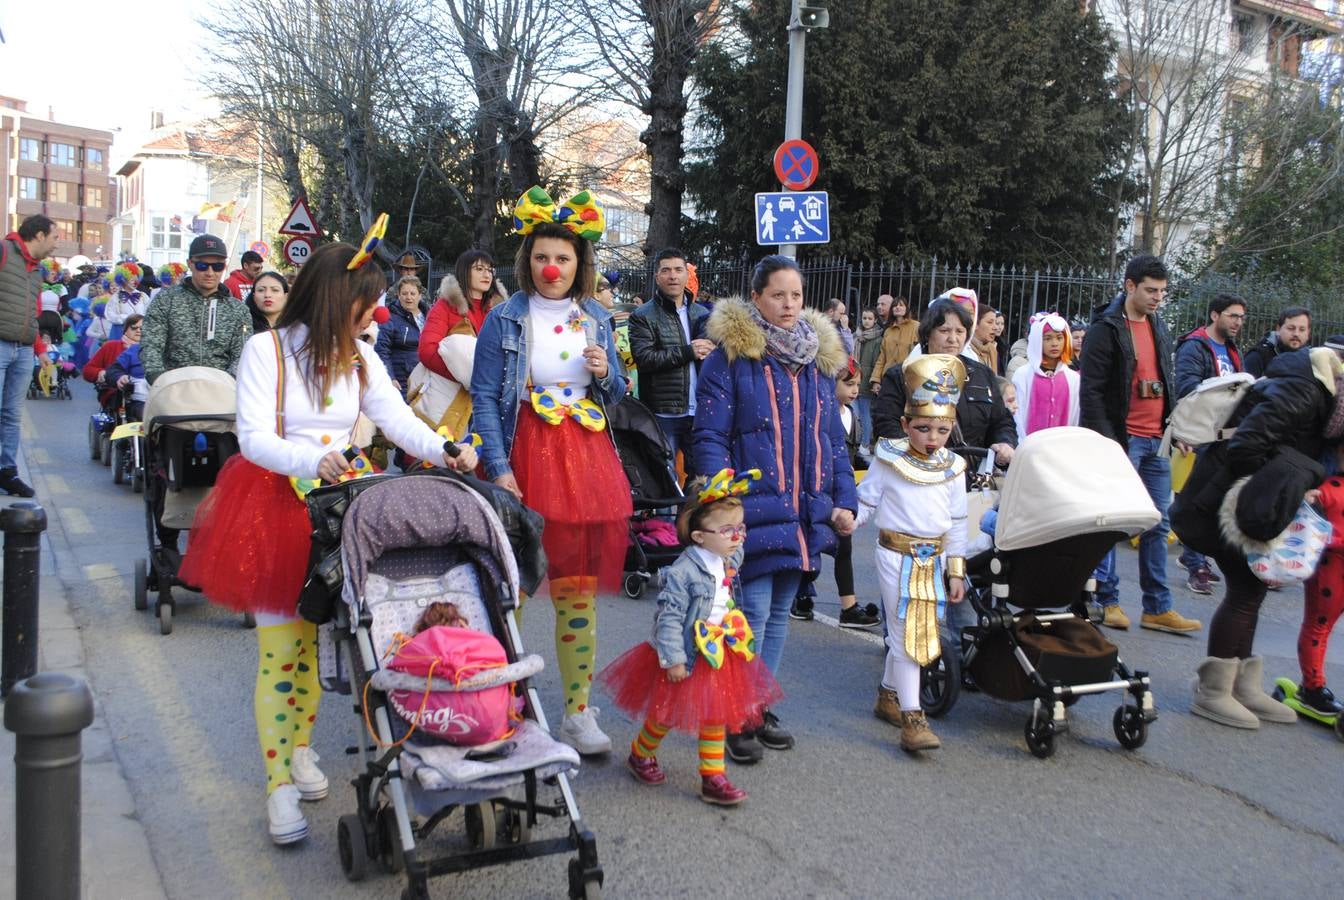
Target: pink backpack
[{"x": 467, "y": 717}]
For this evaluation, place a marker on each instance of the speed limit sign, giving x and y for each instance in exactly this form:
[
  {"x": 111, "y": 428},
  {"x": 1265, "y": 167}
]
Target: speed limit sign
[{"x": 297, "y": 250}]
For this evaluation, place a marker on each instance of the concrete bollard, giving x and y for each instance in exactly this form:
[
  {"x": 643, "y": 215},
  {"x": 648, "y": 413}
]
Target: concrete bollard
[
  {"x": 47, "y": 714},
  {"x": 23, "y": 524}
]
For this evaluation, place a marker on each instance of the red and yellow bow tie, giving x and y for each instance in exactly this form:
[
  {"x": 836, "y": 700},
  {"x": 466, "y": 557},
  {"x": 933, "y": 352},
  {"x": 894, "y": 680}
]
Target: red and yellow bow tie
[{"x": 714, "y": 641}]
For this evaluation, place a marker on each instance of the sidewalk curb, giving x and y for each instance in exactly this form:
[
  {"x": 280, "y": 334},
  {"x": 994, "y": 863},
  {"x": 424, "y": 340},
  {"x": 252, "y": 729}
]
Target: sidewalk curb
[{"x": 115, "y": 852}]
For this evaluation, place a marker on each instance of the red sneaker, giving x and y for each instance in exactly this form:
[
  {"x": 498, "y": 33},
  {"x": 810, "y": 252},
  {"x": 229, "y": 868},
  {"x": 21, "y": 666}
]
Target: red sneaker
[
  {"x": 646, "y": 770},
  {"x": 719, "y": 790}
]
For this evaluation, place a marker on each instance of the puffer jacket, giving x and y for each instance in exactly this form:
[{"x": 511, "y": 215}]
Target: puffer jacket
[
  {"x": 662, "y": 354},
  {"x": 399, "y": 344},
  {"x": 1289, "y": 407},
  {"x": 1108, "y": 372},
  {"x": 752, "y": 412},
  {"x": 982, "y": 418},
  {"x": 1262, "y": 354},
  {"x": 20, "y": 284}
]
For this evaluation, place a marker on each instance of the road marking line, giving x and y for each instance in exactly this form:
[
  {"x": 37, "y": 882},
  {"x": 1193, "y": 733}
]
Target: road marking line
[
  {"x": 75, "y": 521},
  {"x": 56, "y": 484},
  {"x": 860, "y": 633},
  {"x": 97, "y": 571}
]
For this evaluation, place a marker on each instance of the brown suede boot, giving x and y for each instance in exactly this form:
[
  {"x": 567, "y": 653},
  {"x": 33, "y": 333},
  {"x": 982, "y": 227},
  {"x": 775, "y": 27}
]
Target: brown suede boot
[
  {"x": 916, "y": 733},
  {"x": 888, "y": 707}
]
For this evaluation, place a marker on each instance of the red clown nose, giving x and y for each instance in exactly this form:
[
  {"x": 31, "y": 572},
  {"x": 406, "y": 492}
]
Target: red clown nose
[
  {"x": 381, "y": 314},
  {"x": 551, "y": 273}
]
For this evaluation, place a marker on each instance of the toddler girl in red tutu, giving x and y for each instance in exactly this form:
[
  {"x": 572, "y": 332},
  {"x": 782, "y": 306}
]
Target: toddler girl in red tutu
[{"x": 699, "y": 673}]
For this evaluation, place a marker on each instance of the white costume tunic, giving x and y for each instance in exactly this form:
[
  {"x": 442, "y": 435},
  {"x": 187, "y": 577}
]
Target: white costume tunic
[{"x": 313, "y": 431}]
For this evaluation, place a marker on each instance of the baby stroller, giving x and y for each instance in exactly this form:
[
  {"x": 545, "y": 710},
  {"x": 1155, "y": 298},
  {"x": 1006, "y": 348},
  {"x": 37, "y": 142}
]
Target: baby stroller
[
  {"x": 649, "y": 464},
  {"x": 406, "y": 541},
  {"x": 51, "y": 379},
  {"x": 186, "y": 436},
  {"x": 1069, "y": 496},
  {"x": 127, "y": 444}
]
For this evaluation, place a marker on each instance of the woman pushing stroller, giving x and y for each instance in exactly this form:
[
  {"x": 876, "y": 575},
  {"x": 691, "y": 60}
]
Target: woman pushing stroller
[{"x": 300, "y": 389}]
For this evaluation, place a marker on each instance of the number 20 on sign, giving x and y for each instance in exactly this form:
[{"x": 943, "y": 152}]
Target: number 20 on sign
[{"x": 297, "y": 250}]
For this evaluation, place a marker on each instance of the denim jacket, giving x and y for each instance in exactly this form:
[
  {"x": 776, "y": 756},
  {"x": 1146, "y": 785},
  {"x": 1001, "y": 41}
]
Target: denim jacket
[
  {"x": 500, "y": 374},
  {"x": 687, "y": 594}
]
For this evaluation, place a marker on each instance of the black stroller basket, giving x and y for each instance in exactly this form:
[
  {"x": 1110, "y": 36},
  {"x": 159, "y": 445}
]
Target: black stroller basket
[
  {"x": 192, "y": 458},
  {"x": 645, "y": 455}
]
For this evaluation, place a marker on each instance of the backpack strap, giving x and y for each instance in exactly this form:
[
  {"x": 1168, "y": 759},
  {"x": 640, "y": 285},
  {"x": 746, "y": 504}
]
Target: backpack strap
[{"x": 279, "y": 384}]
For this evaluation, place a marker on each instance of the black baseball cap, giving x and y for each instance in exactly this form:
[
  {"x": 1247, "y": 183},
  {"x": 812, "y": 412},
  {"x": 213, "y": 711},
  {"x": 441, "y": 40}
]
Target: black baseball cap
[{"x": 207, "y": 245}]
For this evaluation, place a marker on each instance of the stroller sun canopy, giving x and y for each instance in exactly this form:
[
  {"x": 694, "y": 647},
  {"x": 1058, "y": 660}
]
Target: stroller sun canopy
[
  {"x": 193, "y": 398},
  {"x": 1070, "y": 481}
]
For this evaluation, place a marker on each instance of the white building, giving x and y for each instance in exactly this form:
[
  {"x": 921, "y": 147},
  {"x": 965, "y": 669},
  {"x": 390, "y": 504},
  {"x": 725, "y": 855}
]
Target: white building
[{"x": 178, "y": 173}]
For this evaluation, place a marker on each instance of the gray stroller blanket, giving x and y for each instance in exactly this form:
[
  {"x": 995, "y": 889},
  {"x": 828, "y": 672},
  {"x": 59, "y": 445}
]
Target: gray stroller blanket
[{"x": 443, "y": 767}]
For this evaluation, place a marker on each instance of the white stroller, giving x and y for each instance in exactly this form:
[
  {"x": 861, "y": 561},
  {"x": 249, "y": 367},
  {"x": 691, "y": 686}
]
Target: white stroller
[
  {"x": 406, "y": 542},
  {"x": 1069, "y": 496}
]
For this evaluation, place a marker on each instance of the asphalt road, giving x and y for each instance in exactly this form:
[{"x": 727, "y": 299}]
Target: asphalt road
[{"x": 1201, "y": 810}]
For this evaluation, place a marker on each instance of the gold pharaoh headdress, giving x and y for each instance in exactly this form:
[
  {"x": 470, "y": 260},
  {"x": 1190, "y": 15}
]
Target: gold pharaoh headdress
[{"x": 933, "y": 386}]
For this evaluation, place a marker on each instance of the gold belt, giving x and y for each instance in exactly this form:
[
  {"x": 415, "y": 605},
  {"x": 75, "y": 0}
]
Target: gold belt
[{"x": 906, "y": 543}]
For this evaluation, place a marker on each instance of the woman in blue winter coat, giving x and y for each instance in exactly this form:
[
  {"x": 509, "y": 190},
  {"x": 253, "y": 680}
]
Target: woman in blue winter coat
[
  {"x": 399, "y": 337},
  {"x": 766, "y": 400}
]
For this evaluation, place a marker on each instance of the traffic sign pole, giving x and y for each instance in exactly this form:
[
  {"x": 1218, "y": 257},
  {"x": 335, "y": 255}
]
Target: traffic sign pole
[{"x": 793, "y": 104}]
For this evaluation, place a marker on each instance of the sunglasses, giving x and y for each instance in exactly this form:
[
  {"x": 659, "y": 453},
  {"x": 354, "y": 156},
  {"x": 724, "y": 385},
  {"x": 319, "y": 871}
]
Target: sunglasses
[{"x": 202, "y": 266}]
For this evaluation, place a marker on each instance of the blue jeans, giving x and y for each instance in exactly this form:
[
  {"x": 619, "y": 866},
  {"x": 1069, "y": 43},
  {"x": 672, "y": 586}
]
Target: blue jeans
[
  {"x": 16, "y": 368},
  {"x": 765, "y": 603},
  {"x": 677, "y": 430},
  {"x": 863, "y": 408},
  {"x": 1155, "y": 473}
]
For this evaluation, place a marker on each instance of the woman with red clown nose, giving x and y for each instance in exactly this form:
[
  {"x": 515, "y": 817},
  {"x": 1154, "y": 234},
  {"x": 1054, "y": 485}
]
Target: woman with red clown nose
[{"x": 546, "y": 369}]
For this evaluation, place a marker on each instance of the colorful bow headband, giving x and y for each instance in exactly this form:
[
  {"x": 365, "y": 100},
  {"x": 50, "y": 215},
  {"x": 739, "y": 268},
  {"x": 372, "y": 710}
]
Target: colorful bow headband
[
  {"x": 372, "y": 238},
  {"x": 580, "y": 213},
  {"x": 722, "y": 485}
]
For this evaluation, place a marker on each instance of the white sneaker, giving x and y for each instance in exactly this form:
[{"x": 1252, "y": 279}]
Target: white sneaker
[
  {"x": 287, "y": 822},
  {"x": 305, "y": 774},
  {"x": 580, "y": 731}
]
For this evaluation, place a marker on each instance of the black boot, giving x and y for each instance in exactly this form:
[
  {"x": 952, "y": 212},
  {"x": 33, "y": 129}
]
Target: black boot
[
  {"x": 771, "y": 735},
  {"x": 744, "y": 749},
  {"x": 1321, "y": 699},
  {"x": 12, "y": 484}
]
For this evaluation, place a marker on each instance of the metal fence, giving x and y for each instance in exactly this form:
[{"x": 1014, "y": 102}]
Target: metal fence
[{"x": 1015, "y": 291}]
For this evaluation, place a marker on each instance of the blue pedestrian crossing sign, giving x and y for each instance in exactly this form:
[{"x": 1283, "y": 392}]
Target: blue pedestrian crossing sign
[{"x": 793, "y": 217}]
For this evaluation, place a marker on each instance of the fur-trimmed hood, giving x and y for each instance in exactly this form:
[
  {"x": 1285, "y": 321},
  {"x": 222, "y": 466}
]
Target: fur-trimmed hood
[
  {"x": 1230, "y": 528},
  {"x": 732, "y": 327},
  {"x": 450, "y": 292}
]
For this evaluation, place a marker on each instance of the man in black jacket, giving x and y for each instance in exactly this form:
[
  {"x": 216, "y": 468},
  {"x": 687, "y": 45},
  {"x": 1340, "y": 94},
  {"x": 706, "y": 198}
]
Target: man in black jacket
[
  {"x": 1291, "y": 332},
  {"x": 1125, "y": 393},
  {"x": 667, "y": 345}
]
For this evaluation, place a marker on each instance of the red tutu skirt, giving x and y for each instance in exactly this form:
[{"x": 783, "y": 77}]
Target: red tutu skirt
[
  {"x": 573, "y": 477},
  {"x": 249, "y": 543},
  {"x": 733, "y": 695}
]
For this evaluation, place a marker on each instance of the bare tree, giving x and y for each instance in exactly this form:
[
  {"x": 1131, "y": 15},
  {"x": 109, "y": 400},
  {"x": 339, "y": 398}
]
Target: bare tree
[
  {"x": 326, "y": 82},
  {"x": 1186, "y": 67},
  {"x": 649, "y": 47},
  {"x": 519, "y": 59}
]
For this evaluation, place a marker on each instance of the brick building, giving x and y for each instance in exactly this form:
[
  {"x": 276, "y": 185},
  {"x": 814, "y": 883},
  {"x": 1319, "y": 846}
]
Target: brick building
[{"x": 61, "y": 171}]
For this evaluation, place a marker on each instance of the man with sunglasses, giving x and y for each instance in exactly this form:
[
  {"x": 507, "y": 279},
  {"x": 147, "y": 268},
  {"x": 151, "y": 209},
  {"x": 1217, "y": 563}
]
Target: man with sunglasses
[{"x": 197, "y": 322}]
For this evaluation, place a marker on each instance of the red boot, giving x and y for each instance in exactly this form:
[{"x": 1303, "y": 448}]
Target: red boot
[
  {"x": 719, "y": 790},
  {"x": 646, "y": 769}
]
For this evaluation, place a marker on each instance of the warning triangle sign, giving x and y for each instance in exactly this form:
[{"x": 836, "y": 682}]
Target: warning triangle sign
[{"x": 300, "y": 220}]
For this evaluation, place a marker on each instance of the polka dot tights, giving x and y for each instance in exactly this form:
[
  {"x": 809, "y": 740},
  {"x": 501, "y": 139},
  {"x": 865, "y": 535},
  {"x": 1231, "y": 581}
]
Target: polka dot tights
[
  {"x": 1325, "y": 602},
  {"x": 575, "y": 601},
  {"x": 287, "y": 694}
]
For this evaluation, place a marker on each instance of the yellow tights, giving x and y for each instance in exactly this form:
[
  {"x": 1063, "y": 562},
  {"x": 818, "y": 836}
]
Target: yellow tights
[{"x": 287, "y": 694}]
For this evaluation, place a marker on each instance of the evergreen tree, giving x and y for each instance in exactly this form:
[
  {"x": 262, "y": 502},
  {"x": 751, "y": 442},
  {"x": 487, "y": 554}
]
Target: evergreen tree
[{"x": 966, "y": 129}]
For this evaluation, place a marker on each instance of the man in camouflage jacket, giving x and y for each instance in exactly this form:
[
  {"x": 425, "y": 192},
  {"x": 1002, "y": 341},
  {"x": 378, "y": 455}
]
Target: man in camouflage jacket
[{"x": 198, "y": 322}]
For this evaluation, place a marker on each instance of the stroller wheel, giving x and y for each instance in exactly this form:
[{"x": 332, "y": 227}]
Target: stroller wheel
[
  {"x": 633, "y": 585},
  {"x": 481, "y": 825},
  {"x": 516, "y": 827},
  {"x": 141, "y": 595},
  {"x": 165, "y": 618},
  {"x": 350, "y": 844},
  {"x": 137, "y": 481},
  {"x": 940, "y": 683},
  {"x": 390, "y": 852},
  {"x": 118, "y": 462},
  {"x": 1131, "y": 728},
  {"x": 1040, "y": 737}
]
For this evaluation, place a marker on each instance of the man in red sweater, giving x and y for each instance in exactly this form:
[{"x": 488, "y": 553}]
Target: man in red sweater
[{"x": 240, "y": 281}]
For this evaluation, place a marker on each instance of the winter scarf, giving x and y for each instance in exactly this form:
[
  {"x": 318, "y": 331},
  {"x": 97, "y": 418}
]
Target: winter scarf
[
  {"x": 795, "y": 347},
  {"x": 870, "y": 334}
]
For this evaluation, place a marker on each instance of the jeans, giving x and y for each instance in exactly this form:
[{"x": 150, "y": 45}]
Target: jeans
[
  {"x": 16, "y": 368},
  {"x": 1155, "y": 473},
  {"x": 765, "y": 602},
  {"x": 677, "y": 430},
  {"x": 863, "y": 408},
  {"x": 1192, "y": 560}
]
